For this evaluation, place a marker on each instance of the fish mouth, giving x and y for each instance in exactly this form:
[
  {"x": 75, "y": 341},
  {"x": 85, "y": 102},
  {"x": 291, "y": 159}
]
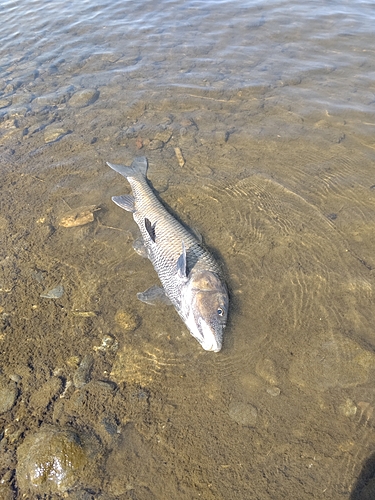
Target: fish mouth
[
  {"x": 207, "y": 338},
  {"x": 214, "y": 347},
  {"x": 210, "y": 344}
]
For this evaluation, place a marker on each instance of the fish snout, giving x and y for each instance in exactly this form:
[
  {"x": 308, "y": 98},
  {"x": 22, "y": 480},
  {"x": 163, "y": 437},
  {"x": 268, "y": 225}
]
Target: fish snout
[
  {"x": 215, "y": 346},
  {"x": 209, "y": 340}
]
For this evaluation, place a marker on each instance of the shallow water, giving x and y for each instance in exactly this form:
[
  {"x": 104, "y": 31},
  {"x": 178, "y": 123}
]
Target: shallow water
[{"x": 258, "y": 122}]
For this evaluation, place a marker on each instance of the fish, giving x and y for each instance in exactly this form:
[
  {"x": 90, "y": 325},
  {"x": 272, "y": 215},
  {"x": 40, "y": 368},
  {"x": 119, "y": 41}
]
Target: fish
[{"x": 191, "y": 278}]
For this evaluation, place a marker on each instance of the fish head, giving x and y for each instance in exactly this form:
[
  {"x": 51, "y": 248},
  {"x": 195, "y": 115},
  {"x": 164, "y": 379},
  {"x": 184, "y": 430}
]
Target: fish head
[{"x": 205, "y": 308}]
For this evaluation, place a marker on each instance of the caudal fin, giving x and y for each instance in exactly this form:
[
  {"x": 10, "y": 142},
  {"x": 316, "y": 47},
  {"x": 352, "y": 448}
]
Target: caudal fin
[{"x": 137, "y": 169}]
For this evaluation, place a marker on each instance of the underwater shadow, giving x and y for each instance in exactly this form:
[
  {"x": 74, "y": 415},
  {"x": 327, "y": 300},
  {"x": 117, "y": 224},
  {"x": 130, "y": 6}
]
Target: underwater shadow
[{"x": 364, "y": 488}]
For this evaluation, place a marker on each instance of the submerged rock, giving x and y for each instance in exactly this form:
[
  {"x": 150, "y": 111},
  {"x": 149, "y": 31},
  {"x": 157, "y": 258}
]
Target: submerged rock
[
  {"x": 55, "y": 293},
  {"x": 82, "y": 375},
  {"x": 79, "y": 216},
  {"x": 83, "y": 98},
  {"x": 53, "y": 134},
  {"x": 127, "y": 320},
  {"x": 54, "y": 461},
  {"x": 5, "y": 103},
  {"x": 243, "y": 413},
  {"x": 8, "y": 395},
  {"x": 332, "y": 360},
  {"x": 41, "y": 398}
]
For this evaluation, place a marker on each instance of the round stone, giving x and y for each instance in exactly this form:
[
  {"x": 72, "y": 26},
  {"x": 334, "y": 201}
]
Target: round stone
[
  {"x": 8, "y": 396},
  {"x": 83, "y": 98},
  {"x": 53, "y": 461},
  {"x": 243, "y": 413},
  {"x": 126, "y": 320}
]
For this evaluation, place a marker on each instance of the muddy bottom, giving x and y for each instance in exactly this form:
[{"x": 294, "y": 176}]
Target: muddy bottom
[{"x": 105, "y": 397}]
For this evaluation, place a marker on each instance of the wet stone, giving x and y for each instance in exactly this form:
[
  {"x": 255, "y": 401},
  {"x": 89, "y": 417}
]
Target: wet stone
[
  {"x": 155, "y": 144},
  {"x": 52, "y": 134},
  {"x": 348, "y": 408},
  {"x": 273, "y": 391},
  {"x": 82, "y": 375},
  {"x": 8, "y": 395},
  {"x": 55, "y": 293},
  {"x": 163, "y": 136},
  {"x": 15, "y": 377},
  {"x": 243, "y": 413},
  {"x": 5, "y": 102},
  {"x": 126, "y": 320},
  {"x": 78, "y": 216},
  {"x": 332, "y": 361},
  {"x": 45, "y": 394},
  {"x": 368, "y": 492},
  {"x": 54, "y": 461},
  {"x": 266, "y": 369},
  {"x": 54, "y": 98},
  {"x": 83, "y": 98},
  {"x": 109, "y": 343},
  {"x": 127, "y": 133}
]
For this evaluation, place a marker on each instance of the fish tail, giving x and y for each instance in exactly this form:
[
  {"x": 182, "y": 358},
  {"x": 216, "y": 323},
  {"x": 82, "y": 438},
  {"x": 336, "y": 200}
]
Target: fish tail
[{"x": 138, "y": 168}]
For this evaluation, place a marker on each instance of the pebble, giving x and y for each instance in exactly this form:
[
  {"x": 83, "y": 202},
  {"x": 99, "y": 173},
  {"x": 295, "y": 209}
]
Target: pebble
[
  {"x": 82, "y": 375},
  {"x": 163, "y": 136},
  {"x": 15, "y": 377},
  {"x": 266, "y": 369},
  {"x": 109, "y": 343},
  {"x": 54, "y": 461},
  {"x": 8, "y": 395},
  {"x": 155, "y": 144},
  {"x": 3, "y": 222},
  {"x": 44, "y": 395},
  {"x": 273, "y": 391},
  {"x": 243, "y": 413},
  {"x": 5, "y": 102},
  {"x": 84, "y": 98},
  {"x": 349, "y": 409},
  {"x": 127, "y": 320},
  {"x": 179, "y": 156},
  {"x": 54, "y": 98},
  {"x": 78, "y": 216},
  {"x": 52, "y": 134},
  {"x": 55, "y": 293}
]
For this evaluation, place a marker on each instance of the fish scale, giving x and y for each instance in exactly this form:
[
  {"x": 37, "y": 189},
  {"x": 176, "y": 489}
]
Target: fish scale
[{"x": 169, "y": 235}]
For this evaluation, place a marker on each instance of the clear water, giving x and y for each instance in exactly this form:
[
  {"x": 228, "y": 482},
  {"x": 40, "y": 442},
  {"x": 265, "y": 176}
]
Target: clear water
[{"x": 271, "y": 105}]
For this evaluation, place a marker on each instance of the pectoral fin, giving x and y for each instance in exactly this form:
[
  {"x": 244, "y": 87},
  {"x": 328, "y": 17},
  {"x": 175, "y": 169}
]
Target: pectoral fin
[{"x": 153, "y": 296}]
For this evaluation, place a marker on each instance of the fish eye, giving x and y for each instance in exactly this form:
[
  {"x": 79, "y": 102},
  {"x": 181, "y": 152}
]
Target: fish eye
[{"x": 220, "y": 311}]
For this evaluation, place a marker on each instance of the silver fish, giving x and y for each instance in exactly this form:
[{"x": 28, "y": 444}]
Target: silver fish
[{"x": 190, "y": 276}]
